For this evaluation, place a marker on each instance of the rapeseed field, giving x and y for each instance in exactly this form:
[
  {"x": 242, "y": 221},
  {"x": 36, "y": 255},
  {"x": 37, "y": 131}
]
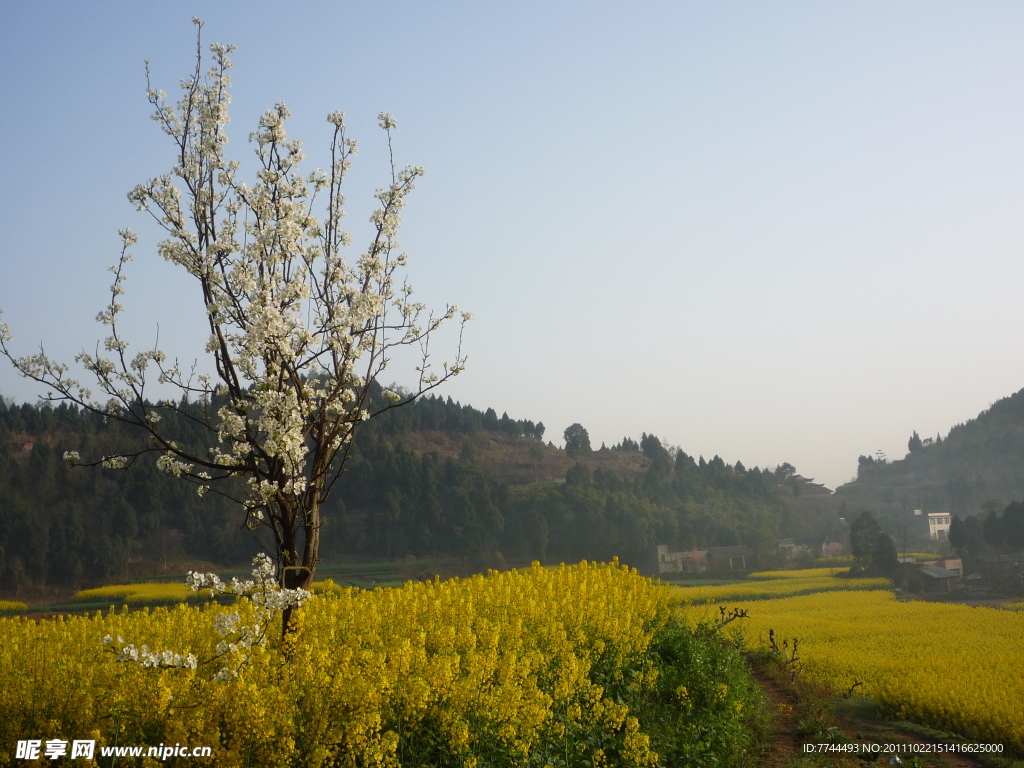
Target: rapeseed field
[
  {"x": 573, "y": 666},
  {"x": 950, "y": 666},
  {"x": 775, "y": 584},
  {"x": 806, "y": 573},
  {"x": 148, "y": 593}
]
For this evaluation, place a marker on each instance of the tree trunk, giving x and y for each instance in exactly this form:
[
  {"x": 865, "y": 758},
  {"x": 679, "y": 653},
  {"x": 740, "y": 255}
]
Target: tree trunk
[{"x": 298, "y": 570}]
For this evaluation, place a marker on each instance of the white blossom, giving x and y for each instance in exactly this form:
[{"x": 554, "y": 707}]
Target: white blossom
[
  {"x": 155, "y": 659},
  {"x": 115, "y": 462},
  {"x": 172, "y": 465},
  {"x": 226, "y": 623},
  {"x": 268, "y": 599}
]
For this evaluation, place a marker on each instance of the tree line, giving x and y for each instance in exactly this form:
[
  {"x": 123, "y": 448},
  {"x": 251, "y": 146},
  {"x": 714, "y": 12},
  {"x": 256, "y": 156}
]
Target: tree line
[
  {"x": 75, "y": 525},
  {"x": 998, "y": 531}
]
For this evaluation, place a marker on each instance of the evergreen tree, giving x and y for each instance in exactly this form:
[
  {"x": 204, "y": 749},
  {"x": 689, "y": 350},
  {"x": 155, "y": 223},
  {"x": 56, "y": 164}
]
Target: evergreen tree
[
  {"x": 883, "y": 553},
  {"x": 864, "y": 535},
  {"x": 1013, "y": 525},
  {"x": 577, "y": 475},
  {"x": 914, "y": 443},
  {"x": 957, "y": 534},
  {"x": 577, "y": 441},
  {"x": 992, "y": 529},
  {"x": 965, "y": 534}
]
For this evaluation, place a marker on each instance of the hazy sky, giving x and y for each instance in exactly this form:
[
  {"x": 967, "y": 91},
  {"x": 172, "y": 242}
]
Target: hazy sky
[{"x": 775, "y": 232}]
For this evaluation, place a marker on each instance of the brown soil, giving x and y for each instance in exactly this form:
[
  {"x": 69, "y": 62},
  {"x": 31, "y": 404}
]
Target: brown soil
[
  {"x": 508, "y": 458},
  {"x": 786, "y": 741}
]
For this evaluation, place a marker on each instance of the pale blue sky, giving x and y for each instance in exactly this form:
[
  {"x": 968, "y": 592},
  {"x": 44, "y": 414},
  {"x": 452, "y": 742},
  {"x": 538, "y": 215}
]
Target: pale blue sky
[{"x": 772, "y": 231}]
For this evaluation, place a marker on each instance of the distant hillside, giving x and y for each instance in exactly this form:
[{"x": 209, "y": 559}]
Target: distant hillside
[
  {"x": 431, "y": 479},
  {"x": 978, "y": 466}
]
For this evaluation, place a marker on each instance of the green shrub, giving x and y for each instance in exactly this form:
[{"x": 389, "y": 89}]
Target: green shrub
[{"x": 705, "y": 709}]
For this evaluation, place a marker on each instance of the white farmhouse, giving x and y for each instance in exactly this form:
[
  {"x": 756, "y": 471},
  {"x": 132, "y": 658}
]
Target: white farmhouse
[{"x": 938, "y": 525}]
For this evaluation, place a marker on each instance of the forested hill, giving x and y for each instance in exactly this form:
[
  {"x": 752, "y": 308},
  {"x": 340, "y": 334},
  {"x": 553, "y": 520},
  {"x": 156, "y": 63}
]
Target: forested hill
[
  {"x": 978, "y": 466},
  {"x": 434, "y": 478}
]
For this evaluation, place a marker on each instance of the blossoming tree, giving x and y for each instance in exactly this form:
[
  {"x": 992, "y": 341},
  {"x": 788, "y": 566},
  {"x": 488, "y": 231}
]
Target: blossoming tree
[{"x": 298, "y": 334}]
